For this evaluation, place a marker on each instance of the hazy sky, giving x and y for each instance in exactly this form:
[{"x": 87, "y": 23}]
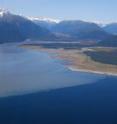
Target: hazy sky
[{"x": 88, "y": 10}]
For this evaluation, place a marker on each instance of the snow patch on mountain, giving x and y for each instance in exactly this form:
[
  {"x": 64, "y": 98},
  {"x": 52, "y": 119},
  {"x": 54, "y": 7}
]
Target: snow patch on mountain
[
  {"x": 3, "y": 12},
  {"x": 49, "y": 20}
]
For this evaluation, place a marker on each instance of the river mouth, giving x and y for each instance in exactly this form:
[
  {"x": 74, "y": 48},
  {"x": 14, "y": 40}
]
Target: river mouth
[{"x": 25, "y": 71}]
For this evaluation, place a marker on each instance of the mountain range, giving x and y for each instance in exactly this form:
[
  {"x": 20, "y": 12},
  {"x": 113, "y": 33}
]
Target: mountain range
[
  {"x": 16, "y": 28},
  {"x": 111, "y": 28}
]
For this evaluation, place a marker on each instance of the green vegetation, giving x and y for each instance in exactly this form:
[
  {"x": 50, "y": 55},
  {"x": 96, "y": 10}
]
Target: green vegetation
[
  {"x": 106, "y": 57},
  {"x": 109, "y": 42},
  {"x": 61, "y": 45}
]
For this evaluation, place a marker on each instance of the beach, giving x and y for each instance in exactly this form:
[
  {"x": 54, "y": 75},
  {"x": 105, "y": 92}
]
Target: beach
[{"x": 78, "y": 61}]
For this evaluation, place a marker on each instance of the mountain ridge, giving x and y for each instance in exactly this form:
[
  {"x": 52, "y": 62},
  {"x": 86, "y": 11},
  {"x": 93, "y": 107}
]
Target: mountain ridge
[{"x": 15, "y": 28}]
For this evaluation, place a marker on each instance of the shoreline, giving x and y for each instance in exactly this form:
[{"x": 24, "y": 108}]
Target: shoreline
[
  {"x": 78, "y": 61},
  {"x": 91, "y": 71}
]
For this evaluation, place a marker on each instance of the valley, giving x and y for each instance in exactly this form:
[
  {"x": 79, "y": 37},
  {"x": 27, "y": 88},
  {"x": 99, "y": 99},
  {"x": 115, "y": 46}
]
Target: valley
[{"x": 58, "y": 62}]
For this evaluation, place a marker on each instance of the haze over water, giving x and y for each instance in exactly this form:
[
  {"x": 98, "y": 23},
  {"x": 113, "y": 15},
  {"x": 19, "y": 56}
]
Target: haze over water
[
  {"x": 42, "y": 90},
  {"x": 26, "y": 71}
]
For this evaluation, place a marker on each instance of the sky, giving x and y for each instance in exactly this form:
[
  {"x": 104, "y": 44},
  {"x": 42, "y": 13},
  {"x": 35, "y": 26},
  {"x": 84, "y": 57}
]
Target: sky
[{"x": 87, "y": 10}]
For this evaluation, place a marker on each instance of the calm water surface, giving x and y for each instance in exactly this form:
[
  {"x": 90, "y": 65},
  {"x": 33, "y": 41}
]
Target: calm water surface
[
  {"x": 36, "y": 89},
  {"x": 25, "y": 71}
]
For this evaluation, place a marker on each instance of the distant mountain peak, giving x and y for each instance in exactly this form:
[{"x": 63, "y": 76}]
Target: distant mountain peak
[{"x": 3, "y": 12}]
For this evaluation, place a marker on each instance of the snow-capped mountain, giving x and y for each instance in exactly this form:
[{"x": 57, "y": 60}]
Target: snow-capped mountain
[
  {"x": 44, "y": 22},
  {"x": 18, "y": 28},
  {"x": 3, "y": 12}
]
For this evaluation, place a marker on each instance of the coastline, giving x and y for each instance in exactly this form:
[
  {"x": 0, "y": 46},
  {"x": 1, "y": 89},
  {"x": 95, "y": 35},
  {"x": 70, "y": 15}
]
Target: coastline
[
  {"x": 90, "y": 71},
  {"x": 78, "y": 60}
]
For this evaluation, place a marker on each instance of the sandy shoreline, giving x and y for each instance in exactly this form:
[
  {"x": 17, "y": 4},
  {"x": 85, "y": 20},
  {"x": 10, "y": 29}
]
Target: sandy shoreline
[
  {"x": 78, "y": 61},
  {"x": 90, "y": 71}
]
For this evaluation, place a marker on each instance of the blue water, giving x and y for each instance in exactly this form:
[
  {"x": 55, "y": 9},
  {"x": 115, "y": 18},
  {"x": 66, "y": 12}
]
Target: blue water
[
  {"x": 25, "y": 71},
  {"x": 36, "y": 89}
]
